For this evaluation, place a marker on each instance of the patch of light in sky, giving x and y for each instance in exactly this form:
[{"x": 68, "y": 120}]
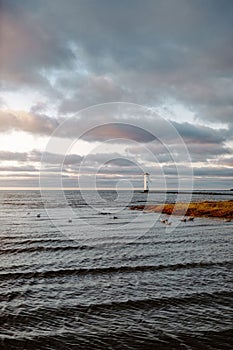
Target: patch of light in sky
[
  {"x": 176, "y": 112},
  {"x": 24, "y": 100},
  {"x": 18, "y": 141},
  {"x": 20, "y": 100},
  {"x": 79, "y": 64},
  {"x": 182, "y": 114},
  {"x": 21, "y": 142},
  {"x": 230, "y": 145},
  {"x": 83, "y": 148}
]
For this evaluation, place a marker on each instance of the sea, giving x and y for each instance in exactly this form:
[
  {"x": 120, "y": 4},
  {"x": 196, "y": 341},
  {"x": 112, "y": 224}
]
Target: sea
[{"x": 86, "y": 272}]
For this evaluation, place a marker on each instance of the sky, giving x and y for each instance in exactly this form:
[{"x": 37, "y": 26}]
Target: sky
[{"x": 68, "y": 65}]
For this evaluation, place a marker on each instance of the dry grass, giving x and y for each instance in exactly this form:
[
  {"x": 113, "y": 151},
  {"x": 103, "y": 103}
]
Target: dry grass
[{"x": 218, "y": 209}]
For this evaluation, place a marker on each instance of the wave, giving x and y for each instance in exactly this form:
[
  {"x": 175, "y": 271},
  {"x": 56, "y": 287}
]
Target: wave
[
  {"x": 119, "y": 339},
  {"x": 35, "y": 240},
  {"x": 111, "y": 269},
  {"x": 93, "y": 309},
  {"x": 42, "y": 249},
  {"x": 125, "y": 341}
]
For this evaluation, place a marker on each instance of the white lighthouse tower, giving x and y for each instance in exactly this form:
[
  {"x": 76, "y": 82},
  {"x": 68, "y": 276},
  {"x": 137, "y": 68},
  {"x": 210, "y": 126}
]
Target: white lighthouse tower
[{"x": 146, "y": 182}]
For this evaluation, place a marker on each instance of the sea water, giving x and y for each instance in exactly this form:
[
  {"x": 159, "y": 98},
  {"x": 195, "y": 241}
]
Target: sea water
[{"x": 110, "y": 277}]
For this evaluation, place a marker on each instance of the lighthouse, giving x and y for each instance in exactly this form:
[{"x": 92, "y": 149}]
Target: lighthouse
[{"x": 146, "y": 181}]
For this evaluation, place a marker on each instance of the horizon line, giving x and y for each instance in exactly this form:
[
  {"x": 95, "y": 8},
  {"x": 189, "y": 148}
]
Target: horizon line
[{"x": 108, "y": 189}]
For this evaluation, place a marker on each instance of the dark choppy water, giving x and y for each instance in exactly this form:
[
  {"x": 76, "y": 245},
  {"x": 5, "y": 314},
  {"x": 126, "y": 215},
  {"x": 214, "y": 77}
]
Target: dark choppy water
[{"x": 125, "y": 289}]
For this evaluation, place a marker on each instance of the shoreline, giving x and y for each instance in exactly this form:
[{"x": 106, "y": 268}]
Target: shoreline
[{"x": 207, "y": 209}]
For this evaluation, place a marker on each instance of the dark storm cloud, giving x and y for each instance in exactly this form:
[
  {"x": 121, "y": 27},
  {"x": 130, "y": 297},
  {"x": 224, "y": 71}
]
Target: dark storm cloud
[
  {"x": 75, "y": 127},
  {"x": 203, "y": 144},
  {"x": 80, "y": 53},
  {"x": 133, "y": 50},
  {"x": 110, "y": 128},
  {"x": 27, "y": 45},
  {"x": 199, "y": 133}
]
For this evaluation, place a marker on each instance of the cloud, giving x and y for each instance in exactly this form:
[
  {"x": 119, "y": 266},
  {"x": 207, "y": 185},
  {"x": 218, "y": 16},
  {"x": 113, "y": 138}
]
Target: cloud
[
  {"x": 203, "y": 152},
  {"x": 35, "y": 156},
  {"x": 23, "y": 121},
  {"x": 134, "y": 125},
  {"x": 13, "y": 156},
  {"x": 214, "y": 172},
  {"x": 139, "y": 52},
  {"x": 94, "y": 90},
  {"x": 206, "y": 171},
  {"x": 54, "y": 158},
  {"x": 225, "y": 161},
  {"x": 26, "y": 47},
  {"x": 24, "y": 168},
  {"x": 76, "y": 54},
  {"x": 198, "y": 133}
]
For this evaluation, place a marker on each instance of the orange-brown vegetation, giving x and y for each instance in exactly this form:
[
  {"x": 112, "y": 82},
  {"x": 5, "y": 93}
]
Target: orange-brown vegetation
[{"x": 217, "y": 209}]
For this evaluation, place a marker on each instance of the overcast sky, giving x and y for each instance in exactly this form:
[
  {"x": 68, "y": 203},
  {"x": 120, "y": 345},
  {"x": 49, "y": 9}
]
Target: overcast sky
[{"x": 175, "y": 57}]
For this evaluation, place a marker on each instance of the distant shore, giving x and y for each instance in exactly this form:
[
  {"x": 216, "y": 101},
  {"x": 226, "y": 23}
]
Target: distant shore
[{"x": 214, "y": 209}]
